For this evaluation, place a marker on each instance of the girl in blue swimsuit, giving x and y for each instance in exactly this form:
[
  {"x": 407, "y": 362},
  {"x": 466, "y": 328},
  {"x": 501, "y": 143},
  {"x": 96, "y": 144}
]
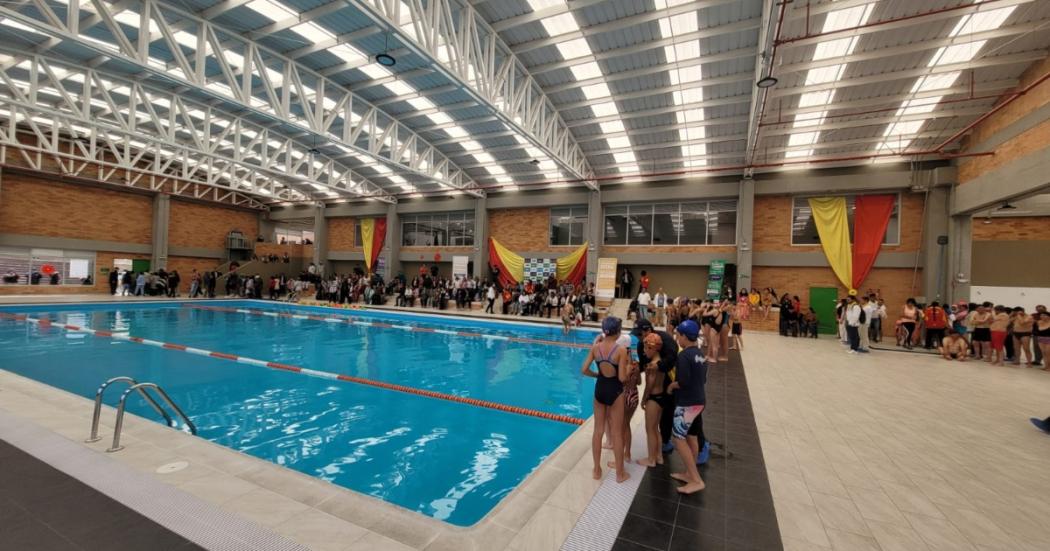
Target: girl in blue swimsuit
[{"x": 613, "y": 366}]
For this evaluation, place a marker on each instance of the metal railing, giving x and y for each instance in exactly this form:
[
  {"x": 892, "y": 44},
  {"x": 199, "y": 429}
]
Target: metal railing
[{"x": 140, "y": 388}]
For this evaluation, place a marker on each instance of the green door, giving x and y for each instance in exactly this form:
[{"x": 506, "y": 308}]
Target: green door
[
  {"x": 823, "y": 300},
  {"x": 140, "y": 266}
]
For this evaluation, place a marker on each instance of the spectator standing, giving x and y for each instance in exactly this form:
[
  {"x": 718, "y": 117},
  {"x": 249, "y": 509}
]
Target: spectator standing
[
  {"x": 114, "y": 280},
  {"x": 626, "y": 283},
  {"x": 643, "y": 303},
  {"x": 852, "y": 321},
  {"x": 936, "y": 323},
  {"x": 869, "y": 309},
  {"x": 660, "y": 301}
]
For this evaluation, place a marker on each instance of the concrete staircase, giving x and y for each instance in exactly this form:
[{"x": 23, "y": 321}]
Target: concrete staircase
[{"x": 264, "y": 269}]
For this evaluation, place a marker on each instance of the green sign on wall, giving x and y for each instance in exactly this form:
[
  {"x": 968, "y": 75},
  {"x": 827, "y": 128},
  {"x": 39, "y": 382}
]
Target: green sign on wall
[{"x": 715, "y": 275}]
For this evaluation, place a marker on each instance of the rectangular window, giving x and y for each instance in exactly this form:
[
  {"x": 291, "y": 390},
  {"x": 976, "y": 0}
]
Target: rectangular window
[
  {"x": 455, "y": 229},
  {"x": 804, "y": 230},
  {"x": 568, "y": 225},
  {"x": 25, "y": 266},
  {"x": 357, "y": 234},
  {"x": 674, "y": 224}
]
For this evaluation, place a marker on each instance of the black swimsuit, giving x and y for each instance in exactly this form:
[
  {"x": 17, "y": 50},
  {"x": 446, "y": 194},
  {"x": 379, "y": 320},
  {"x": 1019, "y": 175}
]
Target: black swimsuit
[{"x": 607, "y": 389}]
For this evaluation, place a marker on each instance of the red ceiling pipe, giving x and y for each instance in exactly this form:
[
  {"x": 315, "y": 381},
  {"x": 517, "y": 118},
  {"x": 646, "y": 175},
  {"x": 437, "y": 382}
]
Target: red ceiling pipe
[
  {"x": 807, "y": 36},
  {"x": 1009, "y": 99}
]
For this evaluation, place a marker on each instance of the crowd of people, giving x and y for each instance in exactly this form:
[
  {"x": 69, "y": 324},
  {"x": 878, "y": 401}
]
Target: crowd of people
[{"x": 160, "y": 283}]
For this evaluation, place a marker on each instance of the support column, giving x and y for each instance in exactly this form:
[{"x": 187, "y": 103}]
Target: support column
[
  {"x": 745, "y": 225},
  {"x": 481, "y": 237},
  {"x": 159, "y": 240},
  {"x": 595, "y": 234},
  {"x": 320, "y": 258},
  {"x": 960, "y": 252},
  {"x": 935, "y": 246},
  {"x": 392, "y": 243}
]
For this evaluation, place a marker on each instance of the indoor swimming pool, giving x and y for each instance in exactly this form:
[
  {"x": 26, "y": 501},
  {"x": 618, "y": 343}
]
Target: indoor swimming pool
[{"x": 437, "y": 415}]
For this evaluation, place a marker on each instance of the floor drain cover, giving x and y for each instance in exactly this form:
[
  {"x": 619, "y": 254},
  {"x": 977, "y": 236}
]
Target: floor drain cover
[{"x": 172, "y": 467}]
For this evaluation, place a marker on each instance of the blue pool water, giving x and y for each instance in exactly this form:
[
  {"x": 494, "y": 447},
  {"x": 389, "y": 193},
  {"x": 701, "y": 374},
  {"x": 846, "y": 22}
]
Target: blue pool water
[{"x": 448, "y": 460}]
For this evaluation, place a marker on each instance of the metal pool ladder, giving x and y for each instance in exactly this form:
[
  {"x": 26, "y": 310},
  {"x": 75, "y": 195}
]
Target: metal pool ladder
[{"x": 135, "y": 386}]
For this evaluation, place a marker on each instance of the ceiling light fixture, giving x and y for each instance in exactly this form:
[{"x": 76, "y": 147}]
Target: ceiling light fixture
[
  {"x": 1007, "y": 206},
  {"x": 767, "y": 81},
  {"x": 385, "y": 59}
]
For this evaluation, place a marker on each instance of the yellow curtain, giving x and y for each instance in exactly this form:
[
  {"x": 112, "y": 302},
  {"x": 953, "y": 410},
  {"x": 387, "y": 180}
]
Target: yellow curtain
[
  {"x": 829, "y": 214},
  {"x": 368, "y": 227},
  {"x": 513, "y": 264},
  {"x": 568, "y": 263}
]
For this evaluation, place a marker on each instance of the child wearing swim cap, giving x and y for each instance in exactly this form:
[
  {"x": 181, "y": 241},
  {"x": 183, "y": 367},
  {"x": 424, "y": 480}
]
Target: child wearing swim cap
[{"x": 613, "y": 368}]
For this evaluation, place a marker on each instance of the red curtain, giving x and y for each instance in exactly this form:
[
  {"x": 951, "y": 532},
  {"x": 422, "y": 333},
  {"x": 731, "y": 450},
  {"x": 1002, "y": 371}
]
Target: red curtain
[
  {"x": 870, "y": 220},
  {"x": 578, "y": 272},
  {"x": 378, "y": 238}
]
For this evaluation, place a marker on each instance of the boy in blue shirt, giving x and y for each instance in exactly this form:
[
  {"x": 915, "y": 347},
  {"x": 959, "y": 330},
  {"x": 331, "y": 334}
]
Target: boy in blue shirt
[{"x": 688, "y": 387}]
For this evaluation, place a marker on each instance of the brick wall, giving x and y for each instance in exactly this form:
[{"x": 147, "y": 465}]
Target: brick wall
[
  {"x": 1019, "y": 146},
  {"x": 341, "y": 234},
  {"x": 206, "y": 226},
  {"x": 895, "y": 284},
  {"x": 1021, "y": 228},
  {"x": 524, "y": 230},
  {"x": 185, "y": 266},
  {"x": 35, "y": 206},
  {"x": 772, "y": 231}
]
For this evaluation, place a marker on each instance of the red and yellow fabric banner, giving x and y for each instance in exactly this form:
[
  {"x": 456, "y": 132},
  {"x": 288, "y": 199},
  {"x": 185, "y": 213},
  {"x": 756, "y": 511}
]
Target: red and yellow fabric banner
[
  {"x": 511, "y": 266},
  {"x": 870, "y": 220},
  {"x": 373, "y": 234},
  {"x": 572, "y": 267},
  {"x": 832, "y": 221}
]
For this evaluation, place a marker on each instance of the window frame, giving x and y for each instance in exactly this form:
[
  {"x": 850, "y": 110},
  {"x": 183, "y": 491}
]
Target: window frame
[
  {"x": 575, "y": 212},
  {"x": 35, "y": 257},
  {"x": 652, "y": 209},
  {"x": 445, "y": 220},
  {"x": 849, "y": 196}
]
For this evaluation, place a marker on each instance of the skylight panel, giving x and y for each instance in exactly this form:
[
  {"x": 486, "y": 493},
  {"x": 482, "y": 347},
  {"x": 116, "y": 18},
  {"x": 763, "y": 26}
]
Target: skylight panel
[
  {"x": 813, "y": 99},
  {"x": 824, "y": 75},
  {"x": 612, "y": 127},
  {"x": 625, "y": 157},
  {"x": 935, "y": 82},
  {"x": 618, "y": 142},
  {"x": 495, "y": 170},
  {"x": 682, "y": 51},
  {"x": 456, "y": 131},
  {"x": 694, "y": 150},
  {"x": 802, "y": 138},
  {"x": 483, "y": 157},
  {"x": 904, "y": 128},
  {"x": 470, "y": 145},
  {"x": 537, "y": 5},
  {"x": 399, "y": 88},
  {"x": 312, "y": 32},
  {"x": 586, "y": 71},
  {"x": 957, "y": 53},
  {"x": 834, "y": 48},
  {"x": 421, "y": 103},
  {"x": 847, "y": 18},
  {"x": 689, "y": 95},
  {"x": 133, "y": 19},
  {"x": 16, "y": 25},
  {"x": 690, "y": 115},
  {"x": 982, "y": 21},
  {"x": 374, "y": 71},
  {"x": 809, "y": 120},
  {"x": 439, "y": 118},
  {"x": 685, "y": 75},
  {"x": 678, "y": 25},
  {"x": 596, "y": 91},
  {"x": 560, "y": 24},
  {"x": 605, "y": 109},
  {"x": 275, "y": 11},
  {"x": 547, "y": 164},
  {"x": 572, "y": 49},
  {"x": 798, "y": 154},
  {"x": 348, "y": 54},
  {"x": 915, "y": 107}
]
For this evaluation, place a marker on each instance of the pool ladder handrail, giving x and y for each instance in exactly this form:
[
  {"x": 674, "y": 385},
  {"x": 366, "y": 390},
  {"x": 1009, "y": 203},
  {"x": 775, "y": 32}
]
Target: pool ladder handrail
[{"x": 141, "y": 389}]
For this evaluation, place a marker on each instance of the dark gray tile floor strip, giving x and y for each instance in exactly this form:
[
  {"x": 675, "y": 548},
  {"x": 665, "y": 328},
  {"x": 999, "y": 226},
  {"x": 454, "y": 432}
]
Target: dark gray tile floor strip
[
  {"x": 43, "y": 508},
  {"x": 735, "y": 512}
]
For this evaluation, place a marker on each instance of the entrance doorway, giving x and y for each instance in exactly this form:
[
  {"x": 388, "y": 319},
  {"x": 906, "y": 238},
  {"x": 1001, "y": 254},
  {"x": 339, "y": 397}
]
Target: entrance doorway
[{"x": 823, "y": 300}]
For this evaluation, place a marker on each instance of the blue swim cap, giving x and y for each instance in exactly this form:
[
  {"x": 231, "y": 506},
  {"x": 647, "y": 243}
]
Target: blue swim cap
[
  {"x": 689, "y": 330},
  {"x": 611, "y": 325}
]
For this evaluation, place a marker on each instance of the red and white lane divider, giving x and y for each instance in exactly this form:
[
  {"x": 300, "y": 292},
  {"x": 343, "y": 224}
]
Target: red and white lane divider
[
  {"x": 43, "y": 323},
  {"x": 355, "y": 321}
]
